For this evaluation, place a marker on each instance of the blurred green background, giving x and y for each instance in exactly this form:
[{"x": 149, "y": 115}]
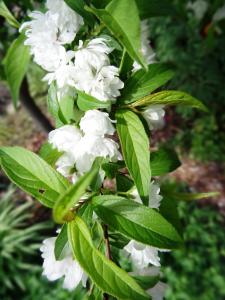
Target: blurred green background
[{"x": 194, "y": 43}]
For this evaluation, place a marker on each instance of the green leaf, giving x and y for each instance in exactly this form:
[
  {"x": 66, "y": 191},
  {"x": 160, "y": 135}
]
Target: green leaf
[
  {"x": 135, "y": 147},
  {"x": 123, "y": 183},
  {"x": 49, "y": 154},
  {"x": 143, "y": 83},
  {"x": 155, "y": 8},
  {"x": 86, "y": 102},
  {"x": 100, "y": 3},
  {"x": 118, "y": 240},
  {"x": 146, "y": 282},
  {"x": 61, "y": 243},
  {"x": 53, "y": 103},
  {"x": 136, "y": 221},
  {"x": 116, "y": 17},
  {"x": 104, "y": 273},
  {"x": 164, "y": 161},
  {"x": 111, "y": 168},
  {"x": 168, "y": 209},
  {"x": 68, "y": 200},
  {"x": 5, "y": 13},
  {"x": 66, "y": 109},
  {"x": 170, "y": 98},
  {"x": 125, "y": 65},
  {"x": 32, "y": 174},
  {"x": 78, "y": 6},
  {"x": 193, "y": 196},
  {"x": 16, "y": 65},
  {"x": 63, "y": 110}
]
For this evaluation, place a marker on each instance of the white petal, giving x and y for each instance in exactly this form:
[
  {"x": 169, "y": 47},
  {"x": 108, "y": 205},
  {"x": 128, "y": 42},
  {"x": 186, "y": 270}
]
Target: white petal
[
  {"x": 154, "y": 115},
  {"x": 97, "y": 123},
  {"x": 158, "y": 291},
  {"x": 65, "y": 138}
]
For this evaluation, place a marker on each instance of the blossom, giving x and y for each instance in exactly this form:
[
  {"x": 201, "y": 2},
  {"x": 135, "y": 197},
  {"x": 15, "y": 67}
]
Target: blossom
[
  {"x": 67, "y": 20},
  {"x": 67, "y": 267},
  {"x": 94, "y": 55},
  {"x": 146, "y": 49},
  {"x": 65, "y": 164},
  {"x": 96, "y": 123},
  {"x": 103, "y": 84},
  {"x": 94, "y": 75},
  {"x": 91, "y": 147},
  {"x": 65, "y": 138},
  {"x": 154, "y": 195},
  {"x": 154, "y": 116},
  {"x": 41, "y": 35},
  {"x": 219, "y": 14},
  {"x": 143, "y": 255},
  {"x": 81, "y": 146},
  {"x": 199, "y": 8},
  {"x": 47, "y": 33},
  {"x": 158, "y": 291},
  {"x": 64, "y": 73}
]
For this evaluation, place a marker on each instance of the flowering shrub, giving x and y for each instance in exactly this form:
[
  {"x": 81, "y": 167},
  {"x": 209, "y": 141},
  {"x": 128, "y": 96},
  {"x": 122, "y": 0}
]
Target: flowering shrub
[{"x": 104, "y": 191}]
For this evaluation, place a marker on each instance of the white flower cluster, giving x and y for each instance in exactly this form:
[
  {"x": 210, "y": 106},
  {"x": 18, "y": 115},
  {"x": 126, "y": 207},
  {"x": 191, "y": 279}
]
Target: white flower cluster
[
  {"x": 80, "y": 146},
  {"x": 88, "y": 69}
]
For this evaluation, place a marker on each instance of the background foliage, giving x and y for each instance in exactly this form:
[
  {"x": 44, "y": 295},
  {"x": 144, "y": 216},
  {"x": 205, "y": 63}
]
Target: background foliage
[{"x": 196, "y": 49}]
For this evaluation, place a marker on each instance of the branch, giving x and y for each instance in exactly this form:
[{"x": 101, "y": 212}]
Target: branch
[
  {"x": 108, "y": 251},
  {"x": 106, "y": 236},
  {"x": 33, "y": 109}
]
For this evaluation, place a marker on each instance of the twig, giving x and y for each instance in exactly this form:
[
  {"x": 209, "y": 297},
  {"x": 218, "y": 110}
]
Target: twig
[
  {"x": 108, "y": 251},
  {"x": 106, "y": 236}
]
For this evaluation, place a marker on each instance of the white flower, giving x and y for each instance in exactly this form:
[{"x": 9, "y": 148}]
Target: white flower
[
  {"x": 41, "y": 35},
  {"x": 158, "y": 291},
  {"x": 64, "y": 74},
  {"x": 67, "y": 20},
  {"x": 47, "y": 32},
  {"x": 93, "y": 56},
  {"x": 81, "y": 148},
  {"x": 67, "y": 267},
  {"x": 96, "y": 122},
  {"x": 91, "y": 147},
  {"x": 219, "y": 14},
  {"x": 199, "y": 8},
  {"x": 154, "y": 195},
  {"x": 142, "y": 255},
  {"x": 146, "y": 49},
  {"x": 65, "y": 164},
  {"x": 49, "y": 57},
  {"x": 103, "y": 84},
  {"x": 65, "y": 138},
  {"x": 154, "y": 115},
  {"x": 94, "y": 75}
]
